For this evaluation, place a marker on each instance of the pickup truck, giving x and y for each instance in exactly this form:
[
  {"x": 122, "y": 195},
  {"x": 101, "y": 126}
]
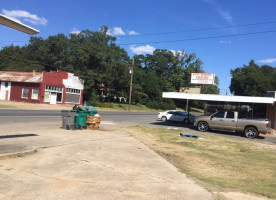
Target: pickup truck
[{"x": 230, "y": 121}]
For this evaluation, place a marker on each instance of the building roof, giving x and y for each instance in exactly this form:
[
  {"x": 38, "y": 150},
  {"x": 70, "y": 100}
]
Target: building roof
[
  {"x": 214, "y": 97},
  {"x": 28, "y": 77}
]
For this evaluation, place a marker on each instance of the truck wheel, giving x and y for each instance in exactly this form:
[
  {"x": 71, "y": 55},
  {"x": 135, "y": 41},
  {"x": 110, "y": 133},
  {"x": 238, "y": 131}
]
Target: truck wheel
[
  {"x": 251, "y": 132},
  {"x": 202, "y": 126},
  {"x": 164, "y": 119}
]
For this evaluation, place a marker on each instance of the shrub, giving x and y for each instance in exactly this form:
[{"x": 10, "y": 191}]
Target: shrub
[
  {"x": 102, "y": 104},
  {"x": 161, "y": 105}
]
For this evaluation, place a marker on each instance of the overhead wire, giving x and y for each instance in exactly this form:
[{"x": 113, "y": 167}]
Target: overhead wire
[
  {"x": 201, "y": 38},
  {"x": 201, "y": 29}
]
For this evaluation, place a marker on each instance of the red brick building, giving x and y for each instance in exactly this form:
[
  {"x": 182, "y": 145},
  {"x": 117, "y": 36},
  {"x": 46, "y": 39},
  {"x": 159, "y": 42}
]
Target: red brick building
[{"x": 41, "y": 87}]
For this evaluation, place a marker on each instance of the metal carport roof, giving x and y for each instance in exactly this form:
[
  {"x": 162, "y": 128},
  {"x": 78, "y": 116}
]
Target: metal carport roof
[{"x": 214, "y": 97}]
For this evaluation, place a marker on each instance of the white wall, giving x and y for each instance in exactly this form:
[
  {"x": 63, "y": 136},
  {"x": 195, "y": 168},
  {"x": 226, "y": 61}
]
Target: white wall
[{"x": 73, "y": 82}]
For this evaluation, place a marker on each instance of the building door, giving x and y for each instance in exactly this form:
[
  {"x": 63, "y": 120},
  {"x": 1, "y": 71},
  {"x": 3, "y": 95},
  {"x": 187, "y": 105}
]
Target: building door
[
  {"x": 5, "y": 90},
  {"x": 53, "y": 98}
]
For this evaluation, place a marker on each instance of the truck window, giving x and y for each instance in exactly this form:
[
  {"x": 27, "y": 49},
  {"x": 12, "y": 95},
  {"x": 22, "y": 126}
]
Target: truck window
[
  {"x": 219, "y": 114},
  {"x": 230, "y": 115}
]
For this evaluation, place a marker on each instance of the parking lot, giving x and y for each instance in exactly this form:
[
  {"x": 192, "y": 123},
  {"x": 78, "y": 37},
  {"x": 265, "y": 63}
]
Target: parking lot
[{"x": 43, "y": 161}]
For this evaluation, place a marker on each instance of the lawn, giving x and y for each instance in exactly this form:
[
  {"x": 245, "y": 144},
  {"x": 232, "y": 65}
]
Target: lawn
[
  {"x": 219, "y": 163},
  {"x": 7, "y": 107}
]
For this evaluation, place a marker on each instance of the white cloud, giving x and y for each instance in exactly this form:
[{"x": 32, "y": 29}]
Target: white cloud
[
  {"x": 175, "y": 52},
  {"x": 75, "y": 31},
  {"x": 225, "y": 42},
  {"x": 118, "y": 31},
  {"x": 132, "y": 32},
  {"x": 142, "y": 49},
  {"x": 269, "y": 60},
  {"x": 26, "y": 16},
  {"x": 226, "y": 16}
]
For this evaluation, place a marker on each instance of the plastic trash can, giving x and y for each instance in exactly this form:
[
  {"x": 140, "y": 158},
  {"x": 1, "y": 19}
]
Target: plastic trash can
[
  {"x": 80, "y": 121},
  {"x": 92, "y": 110},
  {"x": 68, "y": 118}
]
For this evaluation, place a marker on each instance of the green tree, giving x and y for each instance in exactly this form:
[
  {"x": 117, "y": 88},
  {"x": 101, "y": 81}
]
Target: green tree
[{"x": 252, "y": 80}]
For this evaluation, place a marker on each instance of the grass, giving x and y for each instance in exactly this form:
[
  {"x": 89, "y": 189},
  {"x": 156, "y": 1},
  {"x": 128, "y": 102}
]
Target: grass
[
  {"x": 219, "y": 163},
  {"x": 6, "y": 106},
  {"x": 137, "y": 107},
  {"x": 140, "y": 108}
]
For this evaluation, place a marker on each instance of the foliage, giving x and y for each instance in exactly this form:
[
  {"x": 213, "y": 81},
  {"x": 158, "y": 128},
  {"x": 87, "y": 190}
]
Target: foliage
[
  {"x": 102, "y": 104},
  {"x": 104, "y": 66},
  {"x": 211, "y": 89},
  {"x": 253, "y": 80}
]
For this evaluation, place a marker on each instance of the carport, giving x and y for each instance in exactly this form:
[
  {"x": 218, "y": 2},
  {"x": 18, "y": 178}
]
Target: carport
[{"x": 255, "y": 107}]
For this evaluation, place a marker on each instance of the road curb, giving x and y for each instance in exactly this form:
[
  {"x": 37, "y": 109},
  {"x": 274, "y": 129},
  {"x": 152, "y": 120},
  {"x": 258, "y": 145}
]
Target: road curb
[{"x": 18, "y": 154}]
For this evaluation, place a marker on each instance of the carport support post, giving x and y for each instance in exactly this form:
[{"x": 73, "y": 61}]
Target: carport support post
[{"x": 187, "y": 105}]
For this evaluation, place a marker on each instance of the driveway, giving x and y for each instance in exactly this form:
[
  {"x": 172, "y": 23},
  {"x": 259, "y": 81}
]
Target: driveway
[{"x": 84, "y": 164}]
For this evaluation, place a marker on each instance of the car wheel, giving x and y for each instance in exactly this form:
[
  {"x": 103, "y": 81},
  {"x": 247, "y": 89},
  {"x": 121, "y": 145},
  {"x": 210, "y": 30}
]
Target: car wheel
[
  {"x": 251, "y": 132},
  {"x": 164, "y": 119},
  {"x": 202, "y": 126},
  {"x": 186, "y": 121}
]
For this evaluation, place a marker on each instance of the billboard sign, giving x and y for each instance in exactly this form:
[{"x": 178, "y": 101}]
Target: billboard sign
[{"x": 203, "y": 78}]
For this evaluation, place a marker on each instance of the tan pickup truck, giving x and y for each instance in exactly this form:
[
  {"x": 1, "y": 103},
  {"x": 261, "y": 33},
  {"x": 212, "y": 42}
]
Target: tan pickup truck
[{"x": 230, "y": 121}]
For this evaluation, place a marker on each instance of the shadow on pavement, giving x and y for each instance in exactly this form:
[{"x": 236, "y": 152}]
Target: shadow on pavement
[
  {"x": 16, "y": 136},
  {"x": 192, "y": 127}
]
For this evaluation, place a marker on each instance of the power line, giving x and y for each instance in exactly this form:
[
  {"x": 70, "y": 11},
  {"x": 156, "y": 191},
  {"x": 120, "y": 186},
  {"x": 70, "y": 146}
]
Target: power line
[
  {"x": 201, "y": 29},
  {"x": 202, "y": 38}
]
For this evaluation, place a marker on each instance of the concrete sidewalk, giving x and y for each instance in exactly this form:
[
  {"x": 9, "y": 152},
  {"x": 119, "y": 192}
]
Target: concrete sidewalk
[{"x": 84, "y": 164}]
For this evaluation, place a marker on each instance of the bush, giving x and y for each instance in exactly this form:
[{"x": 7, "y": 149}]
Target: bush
[
  {"x": 161, "y": 105},
  {"x": 102, "y": 104}
]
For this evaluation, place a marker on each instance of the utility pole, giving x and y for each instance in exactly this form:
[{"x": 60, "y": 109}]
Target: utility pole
[{"x": 130, "y": 87}]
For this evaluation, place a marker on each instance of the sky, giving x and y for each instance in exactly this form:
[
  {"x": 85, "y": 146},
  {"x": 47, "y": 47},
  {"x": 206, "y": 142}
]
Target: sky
[{"x": 224, "y": 34}]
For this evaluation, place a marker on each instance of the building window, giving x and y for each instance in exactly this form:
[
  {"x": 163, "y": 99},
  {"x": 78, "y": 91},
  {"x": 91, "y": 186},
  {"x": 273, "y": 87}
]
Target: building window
[
  {"x": 25, "y": 93},
  {"x": 51, "y": 91},
  {"x": 53, "y": 88},
  {"x": 47, "y": 96},
  {"x": 72, "y": 95},
  {"x": 72, "y": 91},
  {"x": 35, "y": 93}
]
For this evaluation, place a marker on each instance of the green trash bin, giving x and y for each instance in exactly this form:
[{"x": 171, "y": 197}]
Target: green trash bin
[
  {"x": 92, "y": 110},
  {"x": 80, "y": 121}
]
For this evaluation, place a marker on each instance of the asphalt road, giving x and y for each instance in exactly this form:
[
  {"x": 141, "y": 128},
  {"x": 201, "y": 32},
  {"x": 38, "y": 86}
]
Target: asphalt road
[{"x": 117, "y": 117}]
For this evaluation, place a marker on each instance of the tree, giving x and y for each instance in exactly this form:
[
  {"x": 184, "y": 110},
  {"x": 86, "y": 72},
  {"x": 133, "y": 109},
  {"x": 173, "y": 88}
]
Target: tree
[
  {"x": 211, "y": 89},
  {"x": 252, "y": 80}
]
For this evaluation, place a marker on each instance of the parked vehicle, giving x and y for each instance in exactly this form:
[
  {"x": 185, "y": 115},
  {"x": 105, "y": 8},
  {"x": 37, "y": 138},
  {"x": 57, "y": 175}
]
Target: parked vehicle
[
  {"x": 230, "y": 121},
  {"x": 177, "y": 116}
]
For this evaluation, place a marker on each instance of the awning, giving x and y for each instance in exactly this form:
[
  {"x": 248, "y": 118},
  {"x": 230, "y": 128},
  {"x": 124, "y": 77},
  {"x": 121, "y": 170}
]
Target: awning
[
  {"x": 214, "y": 97},
  {"x": 17, "y": 25}
]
